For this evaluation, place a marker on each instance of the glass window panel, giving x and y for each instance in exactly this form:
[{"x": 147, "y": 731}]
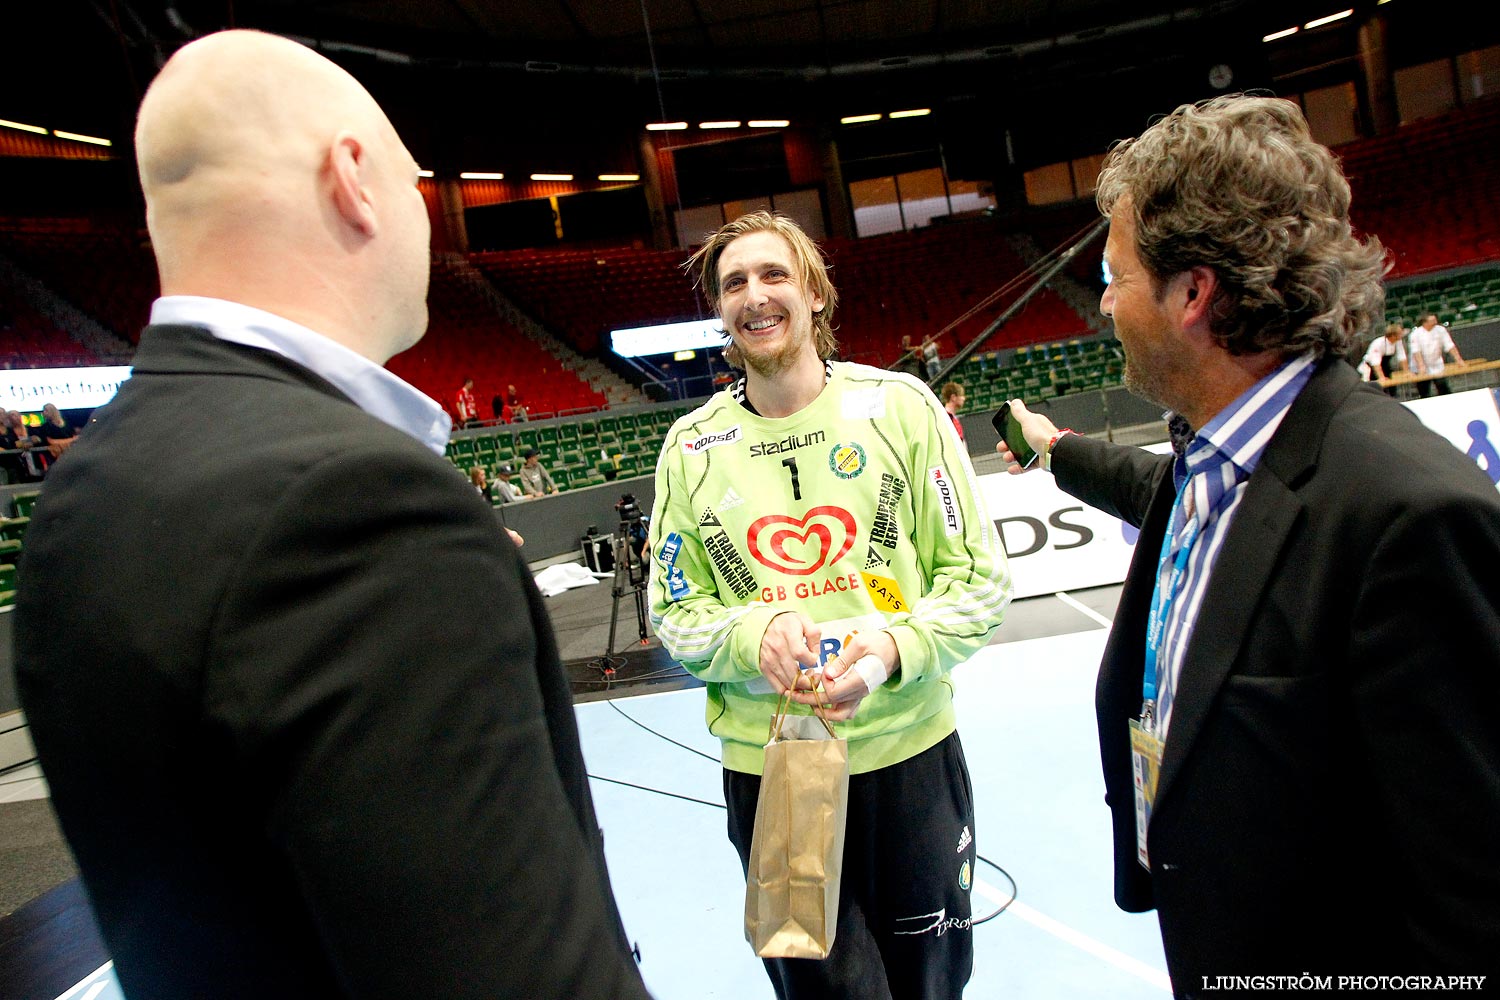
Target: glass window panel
[
  {"x": 1332, "y": 113},
  {"x": 1086, "y": 174},
  {"x": 1425, "y": 90},
  {"x": 970, "y": 196},
  {"x": 923, "y": 196},
  {"x": 693, "y": 224},
  {"x": 1480, "y": 73},
  {"x": 875, "y": 208},
  {"x": 1049, "y": 184}
]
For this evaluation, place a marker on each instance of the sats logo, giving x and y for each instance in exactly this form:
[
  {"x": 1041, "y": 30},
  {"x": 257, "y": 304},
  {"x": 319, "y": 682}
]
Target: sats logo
[{"x": 802, "y": 546}]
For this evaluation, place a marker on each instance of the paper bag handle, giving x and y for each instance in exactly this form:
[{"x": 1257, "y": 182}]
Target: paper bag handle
[{"x": 784, "y": 704}]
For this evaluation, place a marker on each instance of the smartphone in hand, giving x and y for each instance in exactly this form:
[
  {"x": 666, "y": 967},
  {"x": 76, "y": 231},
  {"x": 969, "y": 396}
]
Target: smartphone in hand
[{"x": 1010, "y": 432}]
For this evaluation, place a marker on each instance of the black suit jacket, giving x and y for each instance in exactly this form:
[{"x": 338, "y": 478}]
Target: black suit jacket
[
  {"x": 1329, "y": 798},
  {"x": 301, "y": 711}
]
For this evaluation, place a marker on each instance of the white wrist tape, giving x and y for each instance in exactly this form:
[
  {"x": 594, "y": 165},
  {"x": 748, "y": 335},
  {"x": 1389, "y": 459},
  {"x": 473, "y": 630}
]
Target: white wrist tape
[{"x": 871, "y": 670}]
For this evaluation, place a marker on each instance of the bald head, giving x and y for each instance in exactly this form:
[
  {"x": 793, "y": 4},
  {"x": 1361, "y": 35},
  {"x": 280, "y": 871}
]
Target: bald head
[{"x": 273, "y": 178}]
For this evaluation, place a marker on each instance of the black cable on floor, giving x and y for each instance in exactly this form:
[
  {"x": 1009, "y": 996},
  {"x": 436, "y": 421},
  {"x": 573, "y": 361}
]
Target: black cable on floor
[
  {"x": 658, "y": 791},
  {"x": 700, "y": 753},
  {"x": 717, "y": 805},
  {"x": 17, "y": 766}
]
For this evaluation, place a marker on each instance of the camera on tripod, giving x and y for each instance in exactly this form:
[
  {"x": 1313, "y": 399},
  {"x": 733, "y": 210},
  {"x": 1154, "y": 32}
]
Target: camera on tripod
[
  {"x": 627, "y": 559},
  {"x": 632, "y": 522}
]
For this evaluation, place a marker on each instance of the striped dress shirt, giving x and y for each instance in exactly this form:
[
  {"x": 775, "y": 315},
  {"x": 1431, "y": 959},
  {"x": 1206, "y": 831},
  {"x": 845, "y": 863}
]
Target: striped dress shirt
[{"x": 1214, "y": 470}]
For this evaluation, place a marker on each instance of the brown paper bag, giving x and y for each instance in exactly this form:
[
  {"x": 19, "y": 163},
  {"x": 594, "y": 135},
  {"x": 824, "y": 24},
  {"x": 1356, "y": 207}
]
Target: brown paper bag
[{"x": 797, "y": 848}]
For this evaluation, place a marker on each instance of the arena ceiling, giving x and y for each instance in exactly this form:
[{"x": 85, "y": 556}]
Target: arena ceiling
[{"x": 573, "y": 71}]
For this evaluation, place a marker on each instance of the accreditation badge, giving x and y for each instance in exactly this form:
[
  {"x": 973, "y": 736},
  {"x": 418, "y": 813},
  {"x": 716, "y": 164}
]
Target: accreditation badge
[{"x": 1145, "y": 760}]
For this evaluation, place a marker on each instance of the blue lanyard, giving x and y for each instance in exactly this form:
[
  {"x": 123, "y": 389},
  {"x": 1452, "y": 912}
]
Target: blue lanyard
[{"x": 1162, "y": 600}]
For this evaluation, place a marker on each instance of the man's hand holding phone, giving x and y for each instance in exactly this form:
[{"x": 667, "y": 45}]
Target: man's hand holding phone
[{"x": 1023, "y": 435}]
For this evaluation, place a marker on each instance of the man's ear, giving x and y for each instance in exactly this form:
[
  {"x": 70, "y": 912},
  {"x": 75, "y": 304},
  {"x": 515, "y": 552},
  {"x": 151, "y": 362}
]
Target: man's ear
[
  {"x": 1200, "y": 284},
  {"x": 346, "y": 162}
]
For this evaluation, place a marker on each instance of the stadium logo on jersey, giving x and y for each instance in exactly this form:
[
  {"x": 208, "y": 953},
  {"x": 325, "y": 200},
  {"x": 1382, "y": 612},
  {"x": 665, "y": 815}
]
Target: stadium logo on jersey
[
  {"x": 847, "y": 460},
  {"x": 707, "y": 441},
  {"x": 802, "y": 546},
  {"x": 953, "y": 520},
  {"x": 789, "y": 443}
]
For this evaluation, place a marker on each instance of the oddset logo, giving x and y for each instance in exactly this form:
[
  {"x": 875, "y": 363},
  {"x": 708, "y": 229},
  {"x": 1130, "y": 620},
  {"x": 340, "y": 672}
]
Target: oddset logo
[{"x": 821, "y": 537}]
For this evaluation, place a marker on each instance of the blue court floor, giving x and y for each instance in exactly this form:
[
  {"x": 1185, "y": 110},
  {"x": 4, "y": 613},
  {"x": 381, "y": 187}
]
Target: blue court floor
[{"x": 1026, "y": 718}]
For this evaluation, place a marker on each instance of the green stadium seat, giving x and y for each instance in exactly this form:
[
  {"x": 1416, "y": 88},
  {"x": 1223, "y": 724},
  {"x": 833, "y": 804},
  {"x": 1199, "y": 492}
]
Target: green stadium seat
[{"x": 24, "y": 502}]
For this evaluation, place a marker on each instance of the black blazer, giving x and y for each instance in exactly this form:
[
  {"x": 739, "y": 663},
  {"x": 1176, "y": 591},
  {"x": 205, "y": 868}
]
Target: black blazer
[
  {"x": 299, "y": 704},
  {"x": 1329, "y": 799}
]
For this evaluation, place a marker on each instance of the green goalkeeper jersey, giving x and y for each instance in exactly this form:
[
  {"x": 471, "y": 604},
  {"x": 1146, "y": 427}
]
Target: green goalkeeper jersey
[{"x": 862, "y": 512}]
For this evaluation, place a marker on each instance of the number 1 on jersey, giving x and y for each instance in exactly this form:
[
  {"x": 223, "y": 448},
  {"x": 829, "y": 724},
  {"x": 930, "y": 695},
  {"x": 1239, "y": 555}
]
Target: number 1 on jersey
[{"x": 791, "y": 464}]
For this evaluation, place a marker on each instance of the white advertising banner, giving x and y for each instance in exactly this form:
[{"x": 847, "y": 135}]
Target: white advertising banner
[
  {"x": 29, "y": 389},
  {"x": 1057, "y": 543},
  {"x": 1054, "y": 541}
]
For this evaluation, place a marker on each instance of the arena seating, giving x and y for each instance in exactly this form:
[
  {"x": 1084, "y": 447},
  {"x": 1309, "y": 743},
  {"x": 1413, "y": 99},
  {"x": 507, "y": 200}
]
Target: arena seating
[
  {"x": 583, "y": 294},
  {"x": 1431, "y": 190},
  {"x": 1460, "y": 298},
  {"x": 102, "y": 268},
  {"x": 585, "y": 451},
  {"x": 30, "y": 340},
  {"x": 467, "y": 338}
]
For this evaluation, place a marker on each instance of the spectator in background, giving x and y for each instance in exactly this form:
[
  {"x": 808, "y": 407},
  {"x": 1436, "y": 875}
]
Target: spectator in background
[
  {"x": 1429, "y": 342},
  {"x": 1386, "y": 356},
  {"x": 535, "y": 480},
  {"x": 56, "y": 433},
  {"x": 953, "y": 401},
  {"x": 517, "y": 409},
  {"x": 931, "y": 362},
  {"x": 910, "y": 360},
  {"x": 501, "y": 489},
  {"x": 278, "y": 776},
  {"x": 25, "y": 467},
  {"x": 464, "y": 406},
  {"x": 1272, "y": 735}
]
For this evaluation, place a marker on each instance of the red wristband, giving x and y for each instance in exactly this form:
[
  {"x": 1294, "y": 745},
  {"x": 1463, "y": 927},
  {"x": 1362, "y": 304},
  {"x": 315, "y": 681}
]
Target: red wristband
[{"x": 1047, "y": 456}]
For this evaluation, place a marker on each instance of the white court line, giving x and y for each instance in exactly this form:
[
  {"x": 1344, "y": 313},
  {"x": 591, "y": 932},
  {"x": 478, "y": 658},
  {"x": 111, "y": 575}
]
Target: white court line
[
  {"x": 1090, "y": 612},
  {"x": 1077, "y": 939},
  {"x": 90, "y": 978}
]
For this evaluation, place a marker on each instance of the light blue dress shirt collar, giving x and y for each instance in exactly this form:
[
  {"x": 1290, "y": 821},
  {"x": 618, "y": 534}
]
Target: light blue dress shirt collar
[{"x": 373, "y": 389}]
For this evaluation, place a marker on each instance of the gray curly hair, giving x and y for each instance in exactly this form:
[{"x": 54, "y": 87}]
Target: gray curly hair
[{"x": 1237, "y": 184}]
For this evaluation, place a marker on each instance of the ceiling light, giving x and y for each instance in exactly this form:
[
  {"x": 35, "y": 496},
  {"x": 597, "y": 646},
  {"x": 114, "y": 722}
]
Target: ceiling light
[
  {"x": 1280, "y": 34},
  {"x": 424, "y": 173},
  {"x": 856, "y": 119},
  {"x": 768, "y": 123},
  {"x": 718, "y": 124},
  {"x": 24, "y": 128},
  {"x": 551, "y": 177},
  {"x": 481, "y": 176},
  {"x": 666, "y": 126},
  {"x": 1319, "y": 22},
  {"x": 619, "y": 177},
  {"x": 81, "y": 138},
  {"x": 913, "y": 113}
]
